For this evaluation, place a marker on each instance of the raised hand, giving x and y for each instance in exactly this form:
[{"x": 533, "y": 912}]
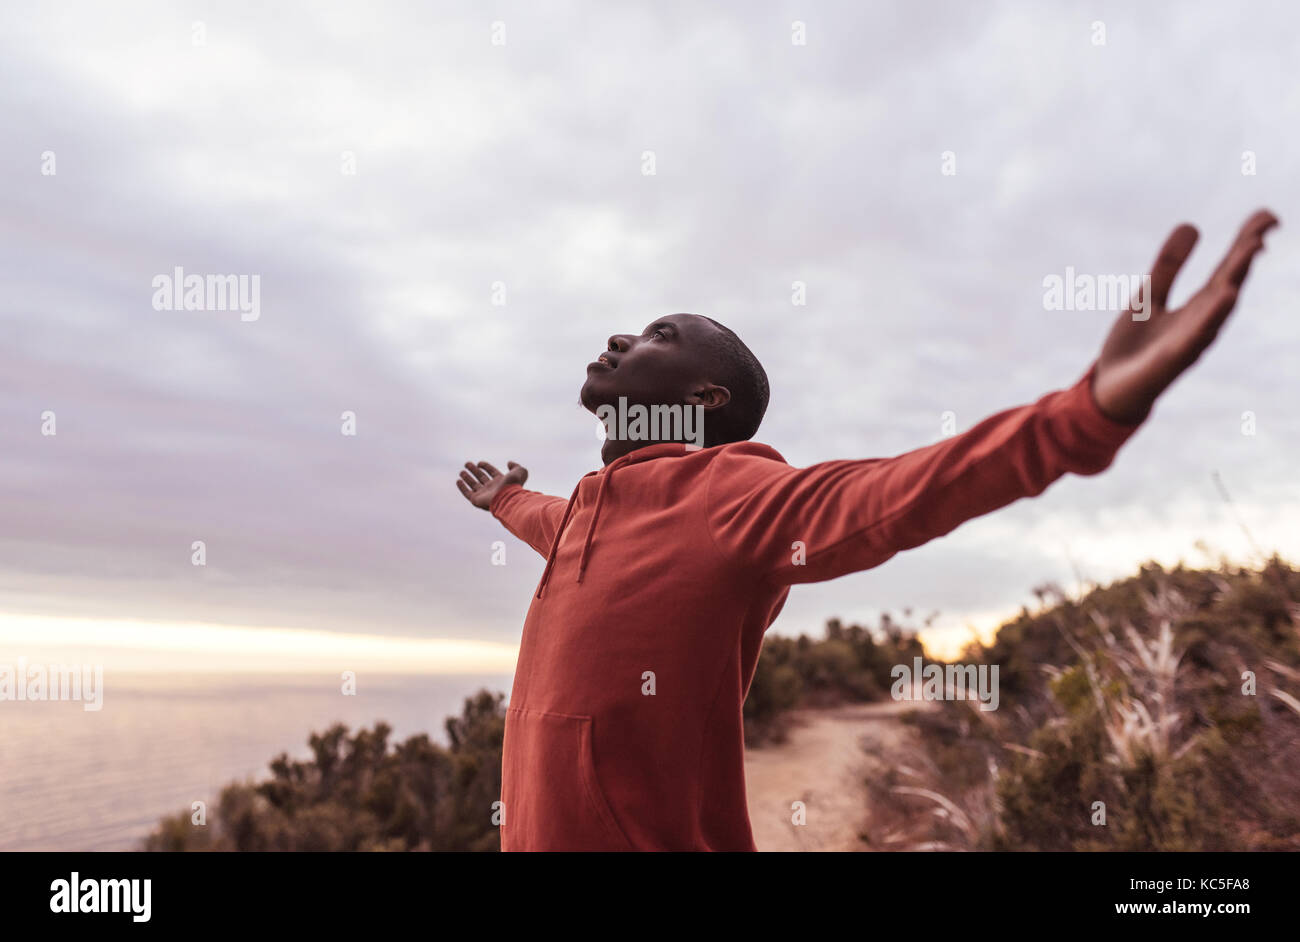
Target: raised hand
[
  {"x": 1143, "y": 355},
  {"x": 481, "y": 482}
]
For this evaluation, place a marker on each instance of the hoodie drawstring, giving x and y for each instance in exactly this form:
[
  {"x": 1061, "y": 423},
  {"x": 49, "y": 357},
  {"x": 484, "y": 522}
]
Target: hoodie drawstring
[
  {"x": 591, "y": 530},
  {"x": 555, "y": 546},
  {"x": 595, "y": 515}
]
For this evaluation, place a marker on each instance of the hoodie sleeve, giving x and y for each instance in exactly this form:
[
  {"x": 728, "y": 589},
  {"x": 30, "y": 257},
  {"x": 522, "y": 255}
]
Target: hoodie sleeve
[
  {"x": 821, "y": 522},
  {"x": 531, "y": 516}
]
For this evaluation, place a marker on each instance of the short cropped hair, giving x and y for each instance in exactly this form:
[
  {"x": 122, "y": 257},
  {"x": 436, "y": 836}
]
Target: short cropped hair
[{"x": 746, "y": 380}]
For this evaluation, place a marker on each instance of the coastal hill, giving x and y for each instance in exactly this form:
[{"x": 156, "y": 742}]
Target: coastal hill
[{"x": 1158, "y": 713}]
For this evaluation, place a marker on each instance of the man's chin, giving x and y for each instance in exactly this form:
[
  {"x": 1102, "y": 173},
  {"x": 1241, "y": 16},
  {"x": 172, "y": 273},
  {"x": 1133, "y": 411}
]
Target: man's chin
[{"x": 589, "y": 398}]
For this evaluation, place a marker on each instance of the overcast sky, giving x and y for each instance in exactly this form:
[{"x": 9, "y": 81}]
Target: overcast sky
[{"x": 221, "y": 148}]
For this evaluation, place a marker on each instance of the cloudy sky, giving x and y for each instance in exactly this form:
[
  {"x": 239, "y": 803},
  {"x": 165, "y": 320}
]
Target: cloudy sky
[{"x": 505, "y": 149}]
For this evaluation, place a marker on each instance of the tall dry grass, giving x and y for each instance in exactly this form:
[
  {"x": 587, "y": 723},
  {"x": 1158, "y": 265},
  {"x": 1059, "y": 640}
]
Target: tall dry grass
[{"x": 1135, "y": 699}]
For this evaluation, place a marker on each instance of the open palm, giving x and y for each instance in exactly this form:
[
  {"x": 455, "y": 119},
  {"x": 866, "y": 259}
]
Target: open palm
[
  {"x": 1143, "y": 355},
  {"x": 481, "y": 482}
]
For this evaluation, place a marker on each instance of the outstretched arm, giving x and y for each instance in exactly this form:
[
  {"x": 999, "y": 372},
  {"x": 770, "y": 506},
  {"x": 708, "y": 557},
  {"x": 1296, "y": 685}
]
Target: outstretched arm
[
  {"x": 531, "y": 516},
  {"x": 821, "y": 522}
]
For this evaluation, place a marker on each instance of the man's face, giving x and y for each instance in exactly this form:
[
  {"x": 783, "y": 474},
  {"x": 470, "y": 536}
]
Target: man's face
[{"x": 668, "y": 363}]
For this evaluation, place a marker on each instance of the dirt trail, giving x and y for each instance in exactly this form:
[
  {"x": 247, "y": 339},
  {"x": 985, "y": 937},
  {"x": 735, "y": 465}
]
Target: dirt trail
[{"x": 822, "y": 764}]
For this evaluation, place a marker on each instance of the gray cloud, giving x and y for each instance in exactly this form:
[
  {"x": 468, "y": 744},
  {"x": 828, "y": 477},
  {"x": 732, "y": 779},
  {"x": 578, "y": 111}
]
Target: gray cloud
[{"x": 521, "y": 164}]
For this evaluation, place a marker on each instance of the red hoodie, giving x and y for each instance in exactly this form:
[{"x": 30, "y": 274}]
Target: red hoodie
[{"x": 623, "y": 730}]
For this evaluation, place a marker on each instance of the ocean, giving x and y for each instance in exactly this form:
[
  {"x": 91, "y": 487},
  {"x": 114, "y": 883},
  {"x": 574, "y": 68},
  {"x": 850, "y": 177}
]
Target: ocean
[{"x": 99, "y": 781}]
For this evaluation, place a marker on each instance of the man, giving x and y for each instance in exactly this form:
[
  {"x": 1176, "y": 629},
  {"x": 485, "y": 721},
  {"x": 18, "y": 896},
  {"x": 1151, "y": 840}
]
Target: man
[{"x": 666, "y": 567}]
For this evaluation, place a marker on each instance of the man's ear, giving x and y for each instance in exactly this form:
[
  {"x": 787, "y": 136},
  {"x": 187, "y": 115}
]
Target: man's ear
[{"x": 709, "y": 396}]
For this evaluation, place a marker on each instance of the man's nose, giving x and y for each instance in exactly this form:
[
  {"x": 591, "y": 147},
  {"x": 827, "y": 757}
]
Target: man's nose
[{"x": 620, "y": 343}]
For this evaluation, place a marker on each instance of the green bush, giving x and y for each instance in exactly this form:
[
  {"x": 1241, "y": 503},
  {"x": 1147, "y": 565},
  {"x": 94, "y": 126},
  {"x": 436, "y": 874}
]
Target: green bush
[
  {"x": 357, "y": 794},
  {"x": 1133, "y": 697},
  {"x": 851, "y": 664}
]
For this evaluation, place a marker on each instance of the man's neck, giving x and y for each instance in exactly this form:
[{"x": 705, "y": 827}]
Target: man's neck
[{"x": 613, "y": 449}]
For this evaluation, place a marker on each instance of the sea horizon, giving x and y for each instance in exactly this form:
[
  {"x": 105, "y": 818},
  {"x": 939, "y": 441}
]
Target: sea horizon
[{"x": 101, "y": 780}]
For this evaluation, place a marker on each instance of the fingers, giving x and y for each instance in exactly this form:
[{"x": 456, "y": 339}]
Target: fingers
[
  {"x": 1219, "y": 302},
  {"x": 1259, "y": 223},
  {"x": 1236, "y": 265},
  {"x": 1172, "y": 255},
  {"x": 1249, "y": 243},
  {"x": 474, "y": 476},
  {"x": 1221, "y": 305}
]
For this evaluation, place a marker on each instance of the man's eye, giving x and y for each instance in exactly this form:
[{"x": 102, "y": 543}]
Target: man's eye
[{"x": 661, "y": 334}]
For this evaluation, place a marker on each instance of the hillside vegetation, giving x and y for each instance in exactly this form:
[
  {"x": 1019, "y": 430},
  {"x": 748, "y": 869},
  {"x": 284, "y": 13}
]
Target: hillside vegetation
[
  {"x": 1158, "y": 713},
  {"x": 1161, "y": 713}
]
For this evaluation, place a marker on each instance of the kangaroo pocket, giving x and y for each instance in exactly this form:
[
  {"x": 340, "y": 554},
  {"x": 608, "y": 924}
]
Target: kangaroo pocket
[{"x": 553, "y": 799}]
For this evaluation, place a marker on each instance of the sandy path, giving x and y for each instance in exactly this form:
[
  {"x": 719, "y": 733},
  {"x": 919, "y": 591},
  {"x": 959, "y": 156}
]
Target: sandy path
[{"x": 822, "y": 764}]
